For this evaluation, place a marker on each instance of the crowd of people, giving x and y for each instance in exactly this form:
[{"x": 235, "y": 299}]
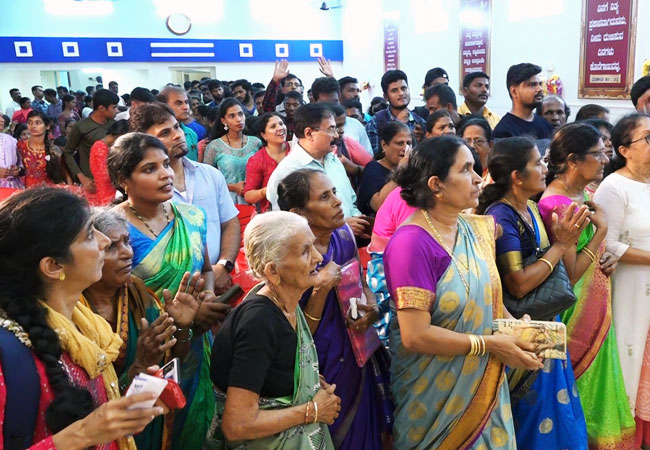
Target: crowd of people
[{"x": 385, "y": 243}]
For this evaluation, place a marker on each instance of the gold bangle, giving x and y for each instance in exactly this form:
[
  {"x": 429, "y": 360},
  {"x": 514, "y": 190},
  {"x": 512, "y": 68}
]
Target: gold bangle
[
  {"x": 312, "y": 317},
  {"x": 482, "y": 341},
  {"x": 307, "y": 412},
  {"x": 473, "y": 344},
  {"x": 315, "y": 412},
  {"x": 590, "y": 254},
  {"x": 210, "y": 291},
  {"x": 548, "y": 263}
]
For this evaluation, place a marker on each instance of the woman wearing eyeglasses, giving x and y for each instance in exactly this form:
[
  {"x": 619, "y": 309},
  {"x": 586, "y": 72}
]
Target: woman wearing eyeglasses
[
  {"x": 577, "y": 158},
  {"x": 624, "y": 196},
  {"x": 477, "y": 133}
]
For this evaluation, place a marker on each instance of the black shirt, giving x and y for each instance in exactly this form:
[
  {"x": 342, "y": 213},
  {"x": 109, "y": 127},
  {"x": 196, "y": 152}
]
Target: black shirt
[
  {"x": 255, "y": 349},
  {"x": 374, "y": 177},
  {"x": 511, "y": 125}
]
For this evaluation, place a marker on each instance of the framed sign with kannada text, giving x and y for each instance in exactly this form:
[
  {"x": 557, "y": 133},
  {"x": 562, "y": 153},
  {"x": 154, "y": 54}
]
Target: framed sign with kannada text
[{"x": 607, "y": 48}]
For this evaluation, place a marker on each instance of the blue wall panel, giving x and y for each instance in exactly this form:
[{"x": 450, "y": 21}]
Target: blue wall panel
[{"x": 60, "y": 49}]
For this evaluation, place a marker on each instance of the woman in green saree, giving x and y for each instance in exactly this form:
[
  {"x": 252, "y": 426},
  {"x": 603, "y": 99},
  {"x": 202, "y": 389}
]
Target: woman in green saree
[
  {"x": 264, "y": 361},
  {"x": 168, "y": 240},
  {"x": 448, "y": 393},
  {"x": 577, "y": 158}
]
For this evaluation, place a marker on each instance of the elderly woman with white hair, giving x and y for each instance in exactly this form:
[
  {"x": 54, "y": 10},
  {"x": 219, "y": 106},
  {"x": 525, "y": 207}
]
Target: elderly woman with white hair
[{"x": 264, "y": 364}]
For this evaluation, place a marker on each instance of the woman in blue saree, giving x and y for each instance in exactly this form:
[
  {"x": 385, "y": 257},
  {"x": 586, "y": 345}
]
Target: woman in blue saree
[
  {"x": 169, "y": 240},
  {"x": 449, "y": 393},
  {"x": 545, "y": 404},
  {"x": 365, "y": 418}
]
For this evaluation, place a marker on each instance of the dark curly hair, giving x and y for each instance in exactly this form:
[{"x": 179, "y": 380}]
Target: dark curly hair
[
  {"x": 433, "y": 157},
  {"x": 262, "y": 121},
  {"x": 127, "y": 152},
  {"x": 508, "y": 155},
  {"x": 28, "y": 222},
  {"x": 293, "y": 190}
]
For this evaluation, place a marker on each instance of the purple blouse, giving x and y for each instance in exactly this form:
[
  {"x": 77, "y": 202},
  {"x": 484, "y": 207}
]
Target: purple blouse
[{"x": 413, "y": 258}]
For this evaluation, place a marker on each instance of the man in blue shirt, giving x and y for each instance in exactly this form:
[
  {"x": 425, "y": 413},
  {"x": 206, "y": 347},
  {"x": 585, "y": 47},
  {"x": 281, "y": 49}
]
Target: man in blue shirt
[
  {"x": 198, "y": 184},
  {"x": 394, "y": 83},
  {"x": 38, "y": 103},
  {"x": 525, "y": 88},
  {"x": 55, "y": 105}
]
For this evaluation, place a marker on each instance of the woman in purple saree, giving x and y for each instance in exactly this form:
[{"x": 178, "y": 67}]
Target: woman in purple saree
[{"x": 365, "y": 419}]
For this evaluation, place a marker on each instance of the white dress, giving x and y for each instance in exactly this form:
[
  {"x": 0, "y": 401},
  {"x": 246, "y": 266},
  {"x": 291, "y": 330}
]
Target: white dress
[{"x": 626, "y": 204}]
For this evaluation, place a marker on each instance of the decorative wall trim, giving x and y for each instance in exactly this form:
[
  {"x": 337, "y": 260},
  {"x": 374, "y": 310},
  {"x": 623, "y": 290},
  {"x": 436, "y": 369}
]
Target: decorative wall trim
[{"x": 67, "y": 49}]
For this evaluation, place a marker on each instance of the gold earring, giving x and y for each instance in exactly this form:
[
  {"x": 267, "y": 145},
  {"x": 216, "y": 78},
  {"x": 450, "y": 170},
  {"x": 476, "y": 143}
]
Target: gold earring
[
  {"x": 438, "y": 195},
  {"x": 62, "y": 276}
]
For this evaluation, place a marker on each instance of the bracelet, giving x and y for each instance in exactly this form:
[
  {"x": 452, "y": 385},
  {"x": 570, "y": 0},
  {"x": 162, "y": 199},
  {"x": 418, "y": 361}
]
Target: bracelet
[
  {"x": 210, "y": 292},
  {"x": 190, "y": 334},
  {"x": 315, "y": 319},
  {"x": 315, "y": 412},
  {"x": 307, "y": 411},
  {"x": 472, "y": 345},
  {"x": 476, "y": 345},
  {"x": 590, "y": 254},
  {"x": 548, "y": 263}
]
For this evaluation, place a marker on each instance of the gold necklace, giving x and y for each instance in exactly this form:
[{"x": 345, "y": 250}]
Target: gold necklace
[
  {"x": 274, "y": 299},
  {"x": 457, "y": 262},
  {"x": 566, "y": 189},
  {"x": 145, "y": 223}
]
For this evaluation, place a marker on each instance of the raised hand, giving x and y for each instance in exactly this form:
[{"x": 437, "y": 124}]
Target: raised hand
[
  {"x": 183, "y": 307},
  {"x": 325, "y": 67},
  {"x": 281, "y": 70}
]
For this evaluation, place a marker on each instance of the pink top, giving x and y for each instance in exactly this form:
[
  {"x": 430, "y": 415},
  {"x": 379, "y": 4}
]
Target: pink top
[
  {"x": 358, "y": 153},
  {"x": 391, "y": 214}
]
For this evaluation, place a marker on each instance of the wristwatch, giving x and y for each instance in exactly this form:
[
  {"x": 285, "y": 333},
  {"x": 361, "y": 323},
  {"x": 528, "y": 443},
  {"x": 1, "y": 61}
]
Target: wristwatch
[{"x": 227, "y": 264}]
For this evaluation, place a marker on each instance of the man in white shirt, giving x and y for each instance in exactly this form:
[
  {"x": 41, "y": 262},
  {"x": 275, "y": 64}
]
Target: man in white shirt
[
  {"x": 315, "y": 129},
  {"x": 326, "y": 90},
  {"x": 14, "y": 106}
]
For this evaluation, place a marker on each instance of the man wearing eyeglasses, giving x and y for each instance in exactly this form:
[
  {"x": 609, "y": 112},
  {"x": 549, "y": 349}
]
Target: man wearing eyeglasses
[
  {"x": 315, "y": 128},
  {"x": 280, "y": 85}
]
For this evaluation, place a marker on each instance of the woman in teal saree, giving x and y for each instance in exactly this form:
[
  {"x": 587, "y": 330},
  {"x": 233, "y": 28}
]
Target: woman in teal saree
[
  {"x": 449, "y": 393},
  {"x": 169, "y": 240}
]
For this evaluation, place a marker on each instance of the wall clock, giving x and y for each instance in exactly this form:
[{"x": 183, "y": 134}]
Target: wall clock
[{"x": 178, "y": 23}]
